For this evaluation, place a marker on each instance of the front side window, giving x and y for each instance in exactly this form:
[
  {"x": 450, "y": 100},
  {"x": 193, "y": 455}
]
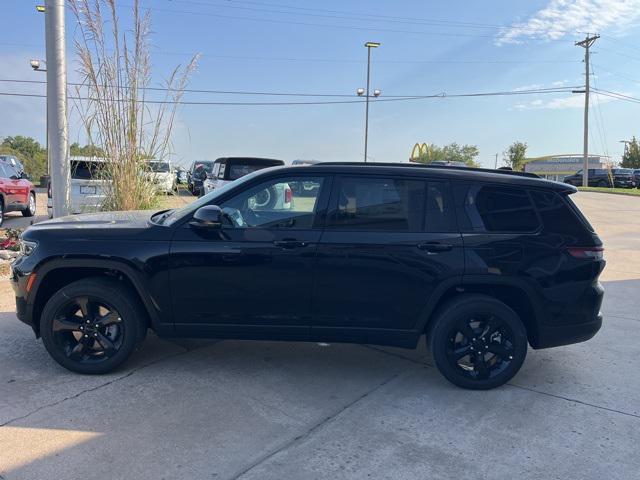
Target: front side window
[
  {"x": 386, "y": 204},
  {"x": 287, "y": 203},
  {"x": 492, "y": 208}
]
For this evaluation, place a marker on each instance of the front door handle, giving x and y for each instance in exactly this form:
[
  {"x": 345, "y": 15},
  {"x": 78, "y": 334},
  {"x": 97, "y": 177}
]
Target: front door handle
[
  {"x": 435, "y": 247},
  {"x": 289, "y": 243}
]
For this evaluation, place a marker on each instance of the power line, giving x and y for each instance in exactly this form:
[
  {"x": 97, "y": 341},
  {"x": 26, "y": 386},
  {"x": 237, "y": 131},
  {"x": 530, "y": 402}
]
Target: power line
[
  {"x": 329, "y": 102},
  {"x": 291, "y": 94}
]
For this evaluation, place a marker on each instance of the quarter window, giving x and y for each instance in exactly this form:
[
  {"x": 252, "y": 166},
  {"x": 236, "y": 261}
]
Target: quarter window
[{"x": 499, "y": 209}]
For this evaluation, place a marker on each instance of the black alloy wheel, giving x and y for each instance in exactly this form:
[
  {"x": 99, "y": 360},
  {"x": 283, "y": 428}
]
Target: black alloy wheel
[
  {"x": 87, "y": 330},
  {"x": 478, "y": 342},
  {"x": 92, "y": 325},
  {"x": 480, "y": 346}
]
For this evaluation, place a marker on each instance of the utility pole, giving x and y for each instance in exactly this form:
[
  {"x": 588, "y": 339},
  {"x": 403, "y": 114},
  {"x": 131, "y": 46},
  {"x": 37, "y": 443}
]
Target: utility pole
[
  {"x": 57, "y": 106},
  {"x": 376, "y": 93},
  {"x": 496, "y": 166},
  {"x": 586, "y": 44}
]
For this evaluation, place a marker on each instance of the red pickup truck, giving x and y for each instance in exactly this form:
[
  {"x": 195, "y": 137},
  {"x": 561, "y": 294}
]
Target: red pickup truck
[{"x": 16, "y": 193}]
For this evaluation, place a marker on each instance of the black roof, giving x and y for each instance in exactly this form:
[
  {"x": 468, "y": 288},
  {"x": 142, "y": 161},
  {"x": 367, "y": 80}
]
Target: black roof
[
  {"x": 458, "y": 173},
  {"x": 266, "y": 161}
]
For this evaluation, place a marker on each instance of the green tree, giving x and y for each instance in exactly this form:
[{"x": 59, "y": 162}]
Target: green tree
[
  {"x": 87, "y": 151},
  {"x": 631, "y": 157},
  {"x": 515, "y": 155},
  {"x": 32, "y": 155},
  {"x": 451, "y": 153}
]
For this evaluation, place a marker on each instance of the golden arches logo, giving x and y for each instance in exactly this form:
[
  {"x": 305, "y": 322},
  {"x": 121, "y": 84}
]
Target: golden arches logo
[{"x": 419, "y": 151}]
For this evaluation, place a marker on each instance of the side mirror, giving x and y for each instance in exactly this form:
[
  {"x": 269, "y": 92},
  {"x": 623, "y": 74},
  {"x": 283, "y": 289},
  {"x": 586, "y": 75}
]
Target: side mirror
[{"x": 209, "y": 216}]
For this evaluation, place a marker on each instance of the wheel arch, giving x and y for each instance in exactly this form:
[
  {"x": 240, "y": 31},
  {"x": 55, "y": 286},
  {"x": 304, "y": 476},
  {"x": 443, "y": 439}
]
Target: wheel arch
[
  {"x": 512, "y": 292},
  {"x": 54, "y": 275}
]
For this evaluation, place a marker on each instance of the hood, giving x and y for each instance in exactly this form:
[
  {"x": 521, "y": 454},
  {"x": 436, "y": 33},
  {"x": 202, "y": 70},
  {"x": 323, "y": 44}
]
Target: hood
[{"x": 103, "y": 220}]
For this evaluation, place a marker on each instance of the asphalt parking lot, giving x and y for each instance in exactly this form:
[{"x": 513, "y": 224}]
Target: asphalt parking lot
[{"x": 260, "y": 410}]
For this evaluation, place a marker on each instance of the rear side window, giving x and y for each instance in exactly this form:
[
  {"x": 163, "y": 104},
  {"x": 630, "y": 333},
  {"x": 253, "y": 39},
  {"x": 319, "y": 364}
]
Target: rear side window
[
  {"x": 559, "y": 215},
  {"x": 394, "y": 204},
  {"x": 373, "y": 203},
  {"x": 490, "y": 208}
]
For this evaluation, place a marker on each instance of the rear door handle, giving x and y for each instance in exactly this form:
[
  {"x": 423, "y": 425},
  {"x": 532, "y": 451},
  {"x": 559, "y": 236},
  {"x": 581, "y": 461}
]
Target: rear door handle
[
  {"x": 290, "y": 243},
  {"x": 434, "y": 247}
]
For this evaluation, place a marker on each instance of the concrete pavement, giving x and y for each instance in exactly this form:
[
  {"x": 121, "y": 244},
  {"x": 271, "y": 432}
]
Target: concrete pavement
[{"x": 227, "y": 410}]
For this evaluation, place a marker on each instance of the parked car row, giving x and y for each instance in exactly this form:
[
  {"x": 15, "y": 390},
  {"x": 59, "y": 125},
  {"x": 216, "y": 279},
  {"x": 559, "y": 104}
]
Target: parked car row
[{"x": 603, "y": 177}]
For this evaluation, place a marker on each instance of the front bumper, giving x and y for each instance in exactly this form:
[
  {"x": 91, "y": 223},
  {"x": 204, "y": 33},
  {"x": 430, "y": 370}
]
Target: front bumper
[{"x": 24, "y": 308}]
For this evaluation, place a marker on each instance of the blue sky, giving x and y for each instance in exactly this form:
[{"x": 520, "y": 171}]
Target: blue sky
[{"x": 317, "y": 47}]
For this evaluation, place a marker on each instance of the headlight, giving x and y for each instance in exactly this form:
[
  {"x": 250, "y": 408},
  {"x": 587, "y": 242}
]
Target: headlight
[{"x": 27, "y": 247}]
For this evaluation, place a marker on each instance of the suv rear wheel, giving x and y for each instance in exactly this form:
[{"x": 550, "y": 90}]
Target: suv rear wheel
[
  {"x": 477, "y": 342},
  {"x": 92, "y": 326}
]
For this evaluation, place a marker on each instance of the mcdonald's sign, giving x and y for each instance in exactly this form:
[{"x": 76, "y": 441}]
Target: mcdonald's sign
[{"x": 418, "y": 151}]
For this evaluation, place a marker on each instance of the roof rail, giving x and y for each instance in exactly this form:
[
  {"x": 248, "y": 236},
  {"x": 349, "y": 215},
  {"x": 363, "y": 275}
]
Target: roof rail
[{"x": 438, "y": 167}]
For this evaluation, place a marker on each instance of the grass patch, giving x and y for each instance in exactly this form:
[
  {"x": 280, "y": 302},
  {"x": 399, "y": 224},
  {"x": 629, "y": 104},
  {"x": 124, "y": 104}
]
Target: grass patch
[{"x": 634, "y": 192}]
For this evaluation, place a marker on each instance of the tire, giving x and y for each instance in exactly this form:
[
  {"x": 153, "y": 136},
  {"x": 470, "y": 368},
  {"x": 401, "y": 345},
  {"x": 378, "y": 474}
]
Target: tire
[
  {"x": 479, "y": 316},
  {"x": 121, "y": 325},
  {"x": 30, "y": 211},
  {"x": 1, "y": 211}
]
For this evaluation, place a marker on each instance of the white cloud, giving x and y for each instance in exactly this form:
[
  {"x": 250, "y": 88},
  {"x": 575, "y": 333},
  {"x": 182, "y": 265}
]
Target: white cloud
[
  {"x": 563, "y": 17},
  {"x": 573, "y": 101},
  {"x": 534, "y": 86}
]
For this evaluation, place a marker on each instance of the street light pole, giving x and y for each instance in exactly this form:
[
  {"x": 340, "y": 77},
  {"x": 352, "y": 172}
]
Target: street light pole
[
  {"x": 57, "y": 106},
  {"x": 369, "y": 46}
]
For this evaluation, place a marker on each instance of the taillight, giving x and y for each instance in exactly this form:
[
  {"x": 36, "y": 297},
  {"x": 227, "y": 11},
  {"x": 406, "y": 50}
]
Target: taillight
[
  {"x": 593, "y": 253},
  {"x": 288, "y": 195}
]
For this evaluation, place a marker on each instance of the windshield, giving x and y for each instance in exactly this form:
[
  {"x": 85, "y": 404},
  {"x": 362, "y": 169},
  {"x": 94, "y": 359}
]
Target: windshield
[
  {"x": 159, "y": 166},
  {"x": 208, "y": 166},
  {"x": 624, "y": 171},
  {"x": 179, "y": 213}
]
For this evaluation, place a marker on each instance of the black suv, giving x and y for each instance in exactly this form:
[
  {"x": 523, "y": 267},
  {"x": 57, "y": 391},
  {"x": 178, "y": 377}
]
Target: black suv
[
  {"x": 602, "y": 177},
  {"x": 483, "y": 262}
]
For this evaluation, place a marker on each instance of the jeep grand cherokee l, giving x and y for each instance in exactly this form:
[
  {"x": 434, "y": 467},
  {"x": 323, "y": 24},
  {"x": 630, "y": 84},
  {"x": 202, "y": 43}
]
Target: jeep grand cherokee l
[{"x": 483, "y": 262}]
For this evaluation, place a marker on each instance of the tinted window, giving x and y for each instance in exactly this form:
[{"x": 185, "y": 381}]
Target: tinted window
[
  {"x": 84, "y": 170},
  {"x": 277, "y": 203},
  {"x": 237, "y": 170},
  {"x": 439, "y": 212},
  {"x": 558, "y": 215},
  {"x": 380, "y": 204},
  {"x": 498, "y": 209}
]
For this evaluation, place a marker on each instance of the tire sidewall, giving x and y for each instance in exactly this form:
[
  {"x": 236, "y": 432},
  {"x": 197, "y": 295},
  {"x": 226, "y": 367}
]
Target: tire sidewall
[
  {"x": 450, "y": 314},
  {"x": 111, "y": 293}
]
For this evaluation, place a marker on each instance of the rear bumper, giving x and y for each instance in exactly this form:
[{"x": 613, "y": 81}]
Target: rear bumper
[
  {"x": 555, "y": 336},
  {"x": 578, "y": 323}
]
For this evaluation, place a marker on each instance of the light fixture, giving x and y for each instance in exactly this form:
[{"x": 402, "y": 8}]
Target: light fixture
[
  {"x": 41, "y": 8},
  {"x": 35, "y": 64},
  {"x": 372, "y": 44},
  {"x": 360, "y": 92},
  {"x": 376, "y": 93}
]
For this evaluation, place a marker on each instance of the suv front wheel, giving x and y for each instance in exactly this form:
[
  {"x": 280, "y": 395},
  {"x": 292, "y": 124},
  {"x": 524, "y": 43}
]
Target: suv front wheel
[
  {"x": 92, "y": 326},
  {"x": 477, "y": 342}
]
